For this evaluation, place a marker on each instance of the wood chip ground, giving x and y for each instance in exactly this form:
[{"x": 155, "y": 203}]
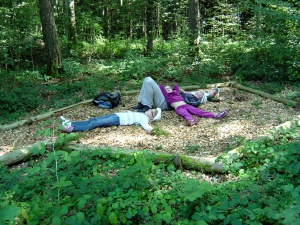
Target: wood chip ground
[{"x": 250, "y": 116}]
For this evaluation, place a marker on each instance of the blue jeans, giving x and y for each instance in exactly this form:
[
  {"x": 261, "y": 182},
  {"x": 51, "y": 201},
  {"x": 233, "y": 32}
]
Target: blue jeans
[{"x": 103, "y": 121}]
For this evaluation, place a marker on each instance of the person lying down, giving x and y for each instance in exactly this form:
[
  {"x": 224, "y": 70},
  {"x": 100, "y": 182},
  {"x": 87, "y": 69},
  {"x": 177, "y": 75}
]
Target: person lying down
[{"x": 116, "y": 119}]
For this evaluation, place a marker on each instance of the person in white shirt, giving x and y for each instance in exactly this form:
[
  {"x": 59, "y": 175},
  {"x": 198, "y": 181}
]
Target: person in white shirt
[{"x": 116, "y": 119}]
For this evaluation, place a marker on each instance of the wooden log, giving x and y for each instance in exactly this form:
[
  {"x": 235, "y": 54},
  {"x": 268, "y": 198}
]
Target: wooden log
[
  {"x": 39, "y": 117},
  {"x": 207, "y": 164},
  {"x": 20, "y": 155},
  {"x": 226, "y": 84},
  {"x": 267, "y": 136},
  {"x": 188, "y": 162},
  {"x": 266, "y": 95}
]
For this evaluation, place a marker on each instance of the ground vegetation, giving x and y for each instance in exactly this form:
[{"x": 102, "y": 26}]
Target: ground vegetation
[{"x": 112, "y": 45}]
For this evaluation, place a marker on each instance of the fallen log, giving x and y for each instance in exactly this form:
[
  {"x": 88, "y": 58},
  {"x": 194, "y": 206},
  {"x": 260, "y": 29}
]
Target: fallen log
[
  {"x": 187, "y": 162},
  {"x": 40, "y": 117},
  {"x": 207, "y": 164},
  {"x": 17, "y": 156},
  {"x": 267, "y": 136},
  {"x": 266, "y": 95},
  {"x": 226, "y": 84}
]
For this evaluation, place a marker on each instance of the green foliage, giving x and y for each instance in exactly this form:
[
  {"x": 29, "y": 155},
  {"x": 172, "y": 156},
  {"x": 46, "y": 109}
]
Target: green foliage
[
  {"x": 101, "y": 187},
  {"x": 257, "y": 104},
  {"x": 243, "y": 40},
  {"x": 8, "y": 213},
  {"x": 159, "y": 131},
  {"x": 240, "y": 40},
  {"x": 236, "y": 141},
  {"x": 27, "y": 91},
  {"x": 193, "y": 148}
]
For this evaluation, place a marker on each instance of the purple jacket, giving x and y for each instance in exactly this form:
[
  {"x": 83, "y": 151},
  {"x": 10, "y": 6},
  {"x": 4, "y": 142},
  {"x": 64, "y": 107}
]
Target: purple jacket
[{"x": 172, "y": 97}]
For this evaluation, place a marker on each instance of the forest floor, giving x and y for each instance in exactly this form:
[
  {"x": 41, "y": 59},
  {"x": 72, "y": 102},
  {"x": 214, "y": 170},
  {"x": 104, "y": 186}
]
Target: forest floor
[{"x": 250, "y": 116}]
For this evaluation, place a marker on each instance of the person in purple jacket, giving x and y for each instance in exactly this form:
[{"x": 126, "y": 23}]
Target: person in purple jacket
[{"x": 184, "y": 110}]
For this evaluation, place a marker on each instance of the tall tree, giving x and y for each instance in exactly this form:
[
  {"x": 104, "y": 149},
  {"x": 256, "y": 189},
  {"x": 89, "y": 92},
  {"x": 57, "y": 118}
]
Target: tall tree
[
  {"x": 169, "y": 21},
  {"x": 70, "y": 20},
  {"x": 70, "y": 23},
  {"x": 194, "y": 23},
  {"x": 53, "y": 55}
]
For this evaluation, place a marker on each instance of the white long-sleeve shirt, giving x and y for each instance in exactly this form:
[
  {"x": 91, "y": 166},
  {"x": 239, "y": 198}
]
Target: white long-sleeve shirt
[{"x": 130, "y": 118}]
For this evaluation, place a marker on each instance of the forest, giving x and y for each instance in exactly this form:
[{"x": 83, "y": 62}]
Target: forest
[{"x": 57, "y": 54}]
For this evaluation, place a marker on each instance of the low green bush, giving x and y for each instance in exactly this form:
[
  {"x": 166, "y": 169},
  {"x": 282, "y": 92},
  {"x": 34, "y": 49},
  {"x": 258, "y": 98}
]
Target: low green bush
[{"x": 101, "y": 187}]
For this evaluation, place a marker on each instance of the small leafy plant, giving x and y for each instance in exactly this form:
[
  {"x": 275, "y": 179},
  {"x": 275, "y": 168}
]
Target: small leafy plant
[
  {"x": 257, "y": 104},
  {"x": 192, "y": 148},
  {"x": 157, "y": 130}
]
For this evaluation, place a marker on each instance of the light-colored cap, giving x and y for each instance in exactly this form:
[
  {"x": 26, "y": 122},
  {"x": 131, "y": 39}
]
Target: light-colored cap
[{"x": 158, "y": 115}]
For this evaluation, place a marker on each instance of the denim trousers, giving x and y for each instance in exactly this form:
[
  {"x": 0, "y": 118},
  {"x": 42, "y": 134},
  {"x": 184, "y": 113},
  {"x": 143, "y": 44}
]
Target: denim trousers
[{"x": 103, "y": 121}]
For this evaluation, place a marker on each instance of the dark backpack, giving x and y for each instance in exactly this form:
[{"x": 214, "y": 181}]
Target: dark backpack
[
  {"x": 107, "y": 100},
  {"x": 191, "y": 99}
]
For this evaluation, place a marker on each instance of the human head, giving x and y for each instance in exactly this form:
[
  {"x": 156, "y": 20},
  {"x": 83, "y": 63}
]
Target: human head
[
  {"x": 198, "y": 94},
  {"x": 154, "y": 114},
  {"x": 168, "y": 89},
  {"x": 214, "y": 92}
]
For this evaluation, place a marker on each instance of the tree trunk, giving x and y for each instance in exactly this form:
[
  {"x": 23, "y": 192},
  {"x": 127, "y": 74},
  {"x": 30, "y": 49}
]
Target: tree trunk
[
  {"x": 53, "y": 55},
  {"x": 149, "y": 25},
  {"x": 194, "y": 25},
  {"x": 169, "y": 23},
  {"x": 70, "y": 20},
  {"x": 20, "y": 155}
]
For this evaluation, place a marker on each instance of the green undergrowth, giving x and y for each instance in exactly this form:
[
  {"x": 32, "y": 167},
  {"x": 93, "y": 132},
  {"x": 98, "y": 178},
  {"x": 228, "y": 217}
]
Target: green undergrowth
[
  {"x": 27, "y": 91},
  {"x": 105, "y": 187}
]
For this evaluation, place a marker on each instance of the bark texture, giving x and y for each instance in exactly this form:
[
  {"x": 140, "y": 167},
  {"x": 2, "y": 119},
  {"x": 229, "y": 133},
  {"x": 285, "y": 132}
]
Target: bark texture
[{"x": 50, "y": 37}]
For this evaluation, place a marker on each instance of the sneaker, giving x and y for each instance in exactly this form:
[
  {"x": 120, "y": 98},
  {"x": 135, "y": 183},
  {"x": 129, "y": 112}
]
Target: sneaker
[
  {"x": 144, "y": 109},
  {"x": 192, "y": 122},
  {"x": 222, "y": 114},
  {"x": 66, "y": 124},
  {"x": 138, "y": 106}
]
